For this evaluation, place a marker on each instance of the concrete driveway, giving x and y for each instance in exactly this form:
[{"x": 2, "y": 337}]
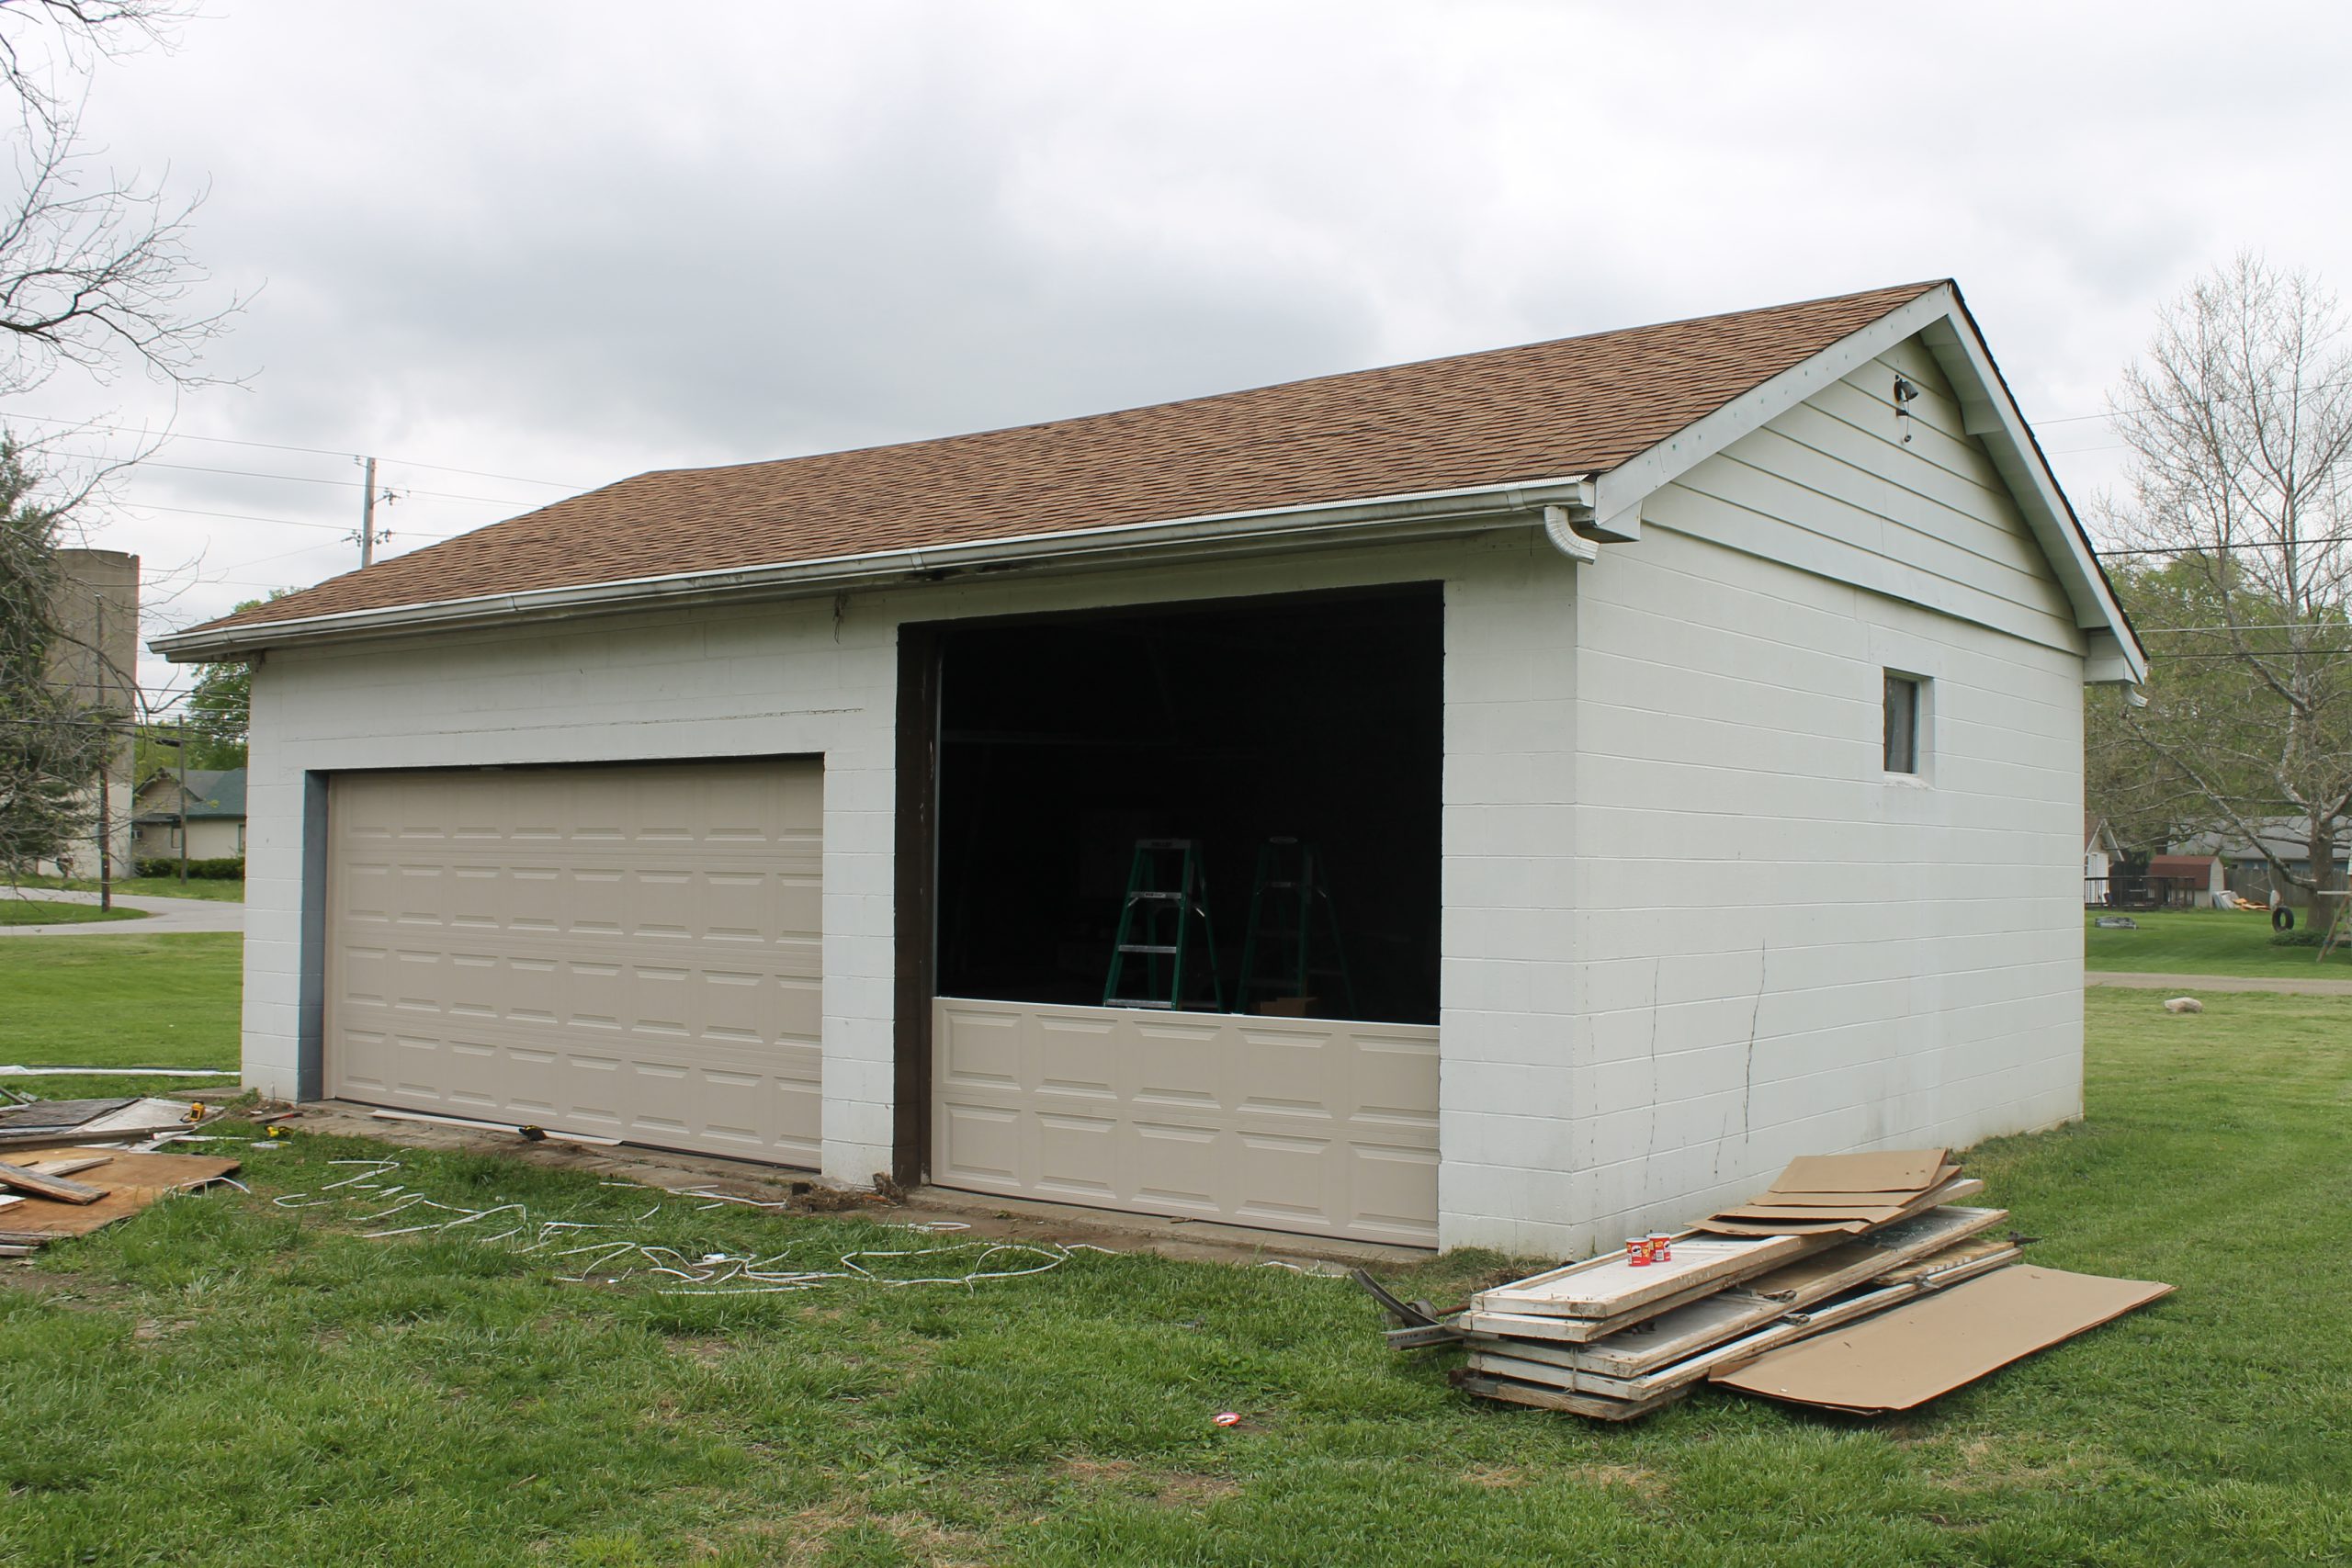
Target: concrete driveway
[
  {"x": 2286, "y": 983},
  {"x": 163, "y": 915}
]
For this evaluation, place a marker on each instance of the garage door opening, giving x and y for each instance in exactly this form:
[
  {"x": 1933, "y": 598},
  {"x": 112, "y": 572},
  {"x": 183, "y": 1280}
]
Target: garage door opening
[
  {"x": 1270, "y": 736},
  {"x": 1276, "y": 1088}
]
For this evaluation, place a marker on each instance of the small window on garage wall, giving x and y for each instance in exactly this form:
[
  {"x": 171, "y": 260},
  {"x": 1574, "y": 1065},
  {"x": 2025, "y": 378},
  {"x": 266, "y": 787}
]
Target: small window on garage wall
[{"x": 1905, "y": 702}]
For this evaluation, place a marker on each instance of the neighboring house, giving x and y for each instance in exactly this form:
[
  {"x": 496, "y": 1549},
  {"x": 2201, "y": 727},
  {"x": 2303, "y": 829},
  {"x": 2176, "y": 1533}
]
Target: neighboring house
[
  {"x": 96, "y": 656},
  {"x": 2248, "y": 871},
  {"x": 2100, "y": 851},
  {"x": 1687, "y": 722},
  {"x": 211, "y": 813},
  {"x": 2187, "y": 882}
]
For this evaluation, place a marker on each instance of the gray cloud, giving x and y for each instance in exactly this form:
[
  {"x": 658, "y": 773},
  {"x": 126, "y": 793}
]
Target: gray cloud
[{"x": 571, "y": 241}]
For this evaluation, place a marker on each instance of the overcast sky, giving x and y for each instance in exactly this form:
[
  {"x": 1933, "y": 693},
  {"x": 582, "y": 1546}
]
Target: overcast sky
[{"x": 562, "y": 242}]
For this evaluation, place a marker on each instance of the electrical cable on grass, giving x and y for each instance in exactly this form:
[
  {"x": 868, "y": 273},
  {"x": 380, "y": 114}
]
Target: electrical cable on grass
[{"x": 663, "y": 1269}]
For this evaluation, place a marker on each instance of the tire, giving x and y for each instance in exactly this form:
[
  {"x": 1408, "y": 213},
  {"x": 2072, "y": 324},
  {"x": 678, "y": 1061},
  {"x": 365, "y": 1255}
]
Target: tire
[{"x": 2282, "y": 918}]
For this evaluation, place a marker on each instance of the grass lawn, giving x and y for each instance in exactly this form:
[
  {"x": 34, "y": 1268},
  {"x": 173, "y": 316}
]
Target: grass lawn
[
  {"x": 16, "y": 911},
  {"x": 2206, "y": 941},
  {"x": 123, "y": 1001},
  {"x": 224, "y": 890},
  {"x": 229, "y": 1381}
]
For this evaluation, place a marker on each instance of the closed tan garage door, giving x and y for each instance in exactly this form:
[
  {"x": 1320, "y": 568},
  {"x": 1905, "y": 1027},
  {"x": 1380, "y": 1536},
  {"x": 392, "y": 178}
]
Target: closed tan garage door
[
  {"x": 627, "y": 951},
  {"x": 1302, "y": 1125}
]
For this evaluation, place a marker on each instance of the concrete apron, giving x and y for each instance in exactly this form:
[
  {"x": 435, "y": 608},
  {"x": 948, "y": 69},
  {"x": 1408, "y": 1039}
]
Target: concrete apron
[{"x": 992, "y": 1218}]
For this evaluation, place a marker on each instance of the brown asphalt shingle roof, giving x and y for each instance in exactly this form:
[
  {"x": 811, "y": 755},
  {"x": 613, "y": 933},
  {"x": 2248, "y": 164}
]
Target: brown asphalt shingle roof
[{"x": 1544, "y": 410}]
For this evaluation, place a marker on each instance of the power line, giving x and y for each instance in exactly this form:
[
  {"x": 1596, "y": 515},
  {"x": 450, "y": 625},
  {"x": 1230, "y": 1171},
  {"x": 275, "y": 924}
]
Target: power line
[
  {"x": 2182, "y": 403},
  {"x": 280, "y": 446},
  {"x": 233, "y": 516},
  {"x": 2273, "y": 626},
  {"x": 313, "y": 479},
  {"x": 2241, "y": 545}
]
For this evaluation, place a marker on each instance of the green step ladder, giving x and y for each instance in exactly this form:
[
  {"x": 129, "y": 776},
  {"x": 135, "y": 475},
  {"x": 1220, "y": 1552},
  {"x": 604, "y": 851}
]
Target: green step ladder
[
  {"x": 1291, "y": 885},
  {"x": 1167, "y": 901}
]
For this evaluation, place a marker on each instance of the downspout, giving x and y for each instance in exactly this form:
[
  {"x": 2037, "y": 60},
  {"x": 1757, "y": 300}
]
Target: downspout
[
  {"x": 1576, "y": 529},
  {"x": 1560, "y": 529}
]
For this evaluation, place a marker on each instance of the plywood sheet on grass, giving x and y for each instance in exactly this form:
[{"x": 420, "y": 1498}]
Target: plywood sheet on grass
[{"x": 1927, "y": 1347}]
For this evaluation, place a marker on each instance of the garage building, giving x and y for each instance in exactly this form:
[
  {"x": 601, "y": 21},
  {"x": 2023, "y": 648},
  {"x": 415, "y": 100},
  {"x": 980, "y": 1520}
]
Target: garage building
[{"x": 1504, "y": 800}]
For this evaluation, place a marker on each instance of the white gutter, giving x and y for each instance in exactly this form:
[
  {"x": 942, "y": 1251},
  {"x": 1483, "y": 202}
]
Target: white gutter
[{"x": 1421, "y": 514}]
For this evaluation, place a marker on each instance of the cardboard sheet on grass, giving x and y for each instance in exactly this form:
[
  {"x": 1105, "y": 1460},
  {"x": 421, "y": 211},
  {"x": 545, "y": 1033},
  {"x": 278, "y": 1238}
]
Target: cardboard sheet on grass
[
  {"x": 1851, "y": 1193},
  {"x": 1931, "y": 1345},
  {"x": 132, "y": 1182}
]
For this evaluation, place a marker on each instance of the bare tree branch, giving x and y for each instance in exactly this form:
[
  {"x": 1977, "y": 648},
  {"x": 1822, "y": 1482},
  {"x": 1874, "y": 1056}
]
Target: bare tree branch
[{"x": 2239, "y": 422}]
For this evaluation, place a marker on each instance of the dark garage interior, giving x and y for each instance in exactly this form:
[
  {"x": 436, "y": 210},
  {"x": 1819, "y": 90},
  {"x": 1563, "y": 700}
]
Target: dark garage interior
[{"x": 1313, "y": 719}]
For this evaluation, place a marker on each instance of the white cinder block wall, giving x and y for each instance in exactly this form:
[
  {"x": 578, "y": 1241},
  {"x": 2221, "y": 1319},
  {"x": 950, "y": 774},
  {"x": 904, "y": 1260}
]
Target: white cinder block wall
[
  {"x": 1777, "y": 947},
  {"x": 786, "y": 679},
  {"x": 777, "y": 680},
  {"x": 1690, "y": 927}
]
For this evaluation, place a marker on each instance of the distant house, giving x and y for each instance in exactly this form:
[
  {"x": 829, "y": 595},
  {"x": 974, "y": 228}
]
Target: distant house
[
  {"x": 2247, "y": 871},
  {"x": 2186, "y": 881},
  {"x": 212, "y": 813},
  {"x": 2099, "y": 852}
]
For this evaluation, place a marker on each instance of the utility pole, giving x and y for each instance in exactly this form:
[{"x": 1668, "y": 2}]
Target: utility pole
[
  {"x": 367, "y": 522},
  {"x": 106, "y": 765},
  {"x": 183, "y": 807}
]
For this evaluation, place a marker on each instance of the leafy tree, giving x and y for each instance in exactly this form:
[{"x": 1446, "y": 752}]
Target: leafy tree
[
  {"x": 2239, "y": 422},
  {"x": 221, "y": 707}
]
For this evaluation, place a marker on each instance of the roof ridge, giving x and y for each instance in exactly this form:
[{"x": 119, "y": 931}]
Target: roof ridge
[{"x": 1903, "y": 292}]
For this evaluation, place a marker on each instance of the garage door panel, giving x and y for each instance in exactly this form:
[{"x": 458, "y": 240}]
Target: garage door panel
[
  {"x": 1213, "y": 1116},
  {"x": 1389, "y": 1186},
  {"x": 627, "y": 951}
]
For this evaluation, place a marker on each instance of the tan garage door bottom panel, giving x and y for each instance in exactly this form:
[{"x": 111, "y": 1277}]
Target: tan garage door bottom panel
[{"x": 1307, "y": 1125}]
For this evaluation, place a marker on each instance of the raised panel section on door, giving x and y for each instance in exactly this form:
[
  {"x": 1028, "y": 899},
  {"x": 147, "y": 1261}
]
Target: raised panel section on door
[
  {"x": 1311, "y": 1125},
  {"x": 627, "y": 951}
]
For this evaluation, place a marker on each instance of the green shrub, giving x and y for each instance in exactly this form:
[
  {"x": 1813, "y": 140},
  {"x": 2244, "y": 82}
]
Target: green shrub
[
  {"x": 2297, "y": 939},
  {"x": 230, "y": 869}
]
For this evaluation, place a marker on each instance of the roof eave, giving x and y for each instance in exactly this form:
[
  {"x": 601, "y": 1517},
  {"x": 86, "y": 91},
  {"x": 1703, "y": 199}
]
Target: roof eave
[{"x": 1385, "y": 519}]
